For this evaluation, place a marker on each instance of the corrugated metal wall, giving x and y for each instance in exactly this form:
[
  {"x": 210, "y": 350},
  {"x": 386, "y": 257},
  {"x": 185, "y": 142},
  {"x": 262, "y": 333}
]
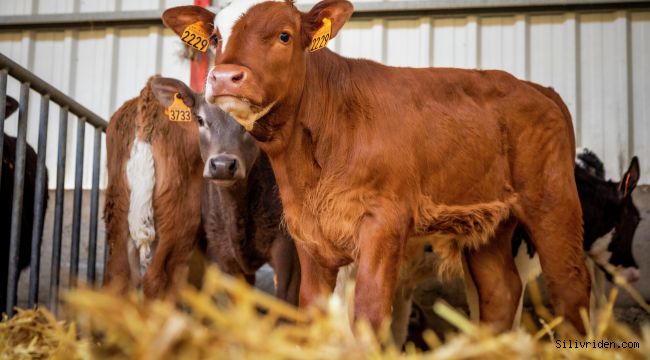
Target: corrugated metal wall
[{"x": 599, "y": 62}]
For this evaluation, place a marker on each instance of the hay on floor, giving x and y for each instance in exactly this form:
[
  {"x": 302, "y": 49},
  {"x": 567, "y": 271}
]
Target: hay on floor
[{"x": 229, "y": 320}]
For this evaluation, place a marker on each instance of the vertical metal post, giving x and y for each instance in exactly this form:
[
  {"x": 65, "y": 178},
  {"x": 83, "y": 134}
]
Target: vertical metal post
[
  {"x": 39, "y": 201},
  {"x": 58, "y": 209},
  {"x": 17, "y": 201},
  {"x": 94, "y": 208},
  {"x": 3, "y": 107},
  {"x": 76, "y": 212}
]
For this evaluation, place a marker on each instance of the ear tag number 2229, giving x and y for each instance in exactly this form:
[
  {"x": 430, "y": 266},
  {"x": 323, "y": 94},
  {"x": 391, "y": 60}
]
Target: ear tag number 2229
[
  {"x": 322, "y": 36},
  {"x": 178, "y": 111},
  {"x": 195, "y": 36}
]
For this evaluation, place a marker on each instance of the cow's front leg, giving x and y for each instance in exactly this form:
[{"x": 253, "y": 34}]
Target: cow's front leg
[
  {"x": 381, "y": 246},
  {"x": 316, "y": 281}
]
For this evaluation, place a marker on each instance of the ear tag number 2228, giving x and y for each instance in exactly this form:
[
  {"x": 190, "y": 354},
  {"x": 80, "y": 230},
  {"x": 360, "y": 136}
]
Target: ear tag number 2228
[
  {"x": 322, "y": 36},
  {"x": 178, "y": 111},
  {"x": 195, "y": 36}
]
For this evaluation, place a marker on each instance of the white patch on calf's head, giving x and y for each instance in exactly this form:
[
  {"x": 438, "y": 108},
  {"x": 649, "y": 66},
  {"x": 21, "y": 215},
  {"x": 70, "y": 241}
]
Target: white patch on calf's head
[{"x": 228, "y": 16}]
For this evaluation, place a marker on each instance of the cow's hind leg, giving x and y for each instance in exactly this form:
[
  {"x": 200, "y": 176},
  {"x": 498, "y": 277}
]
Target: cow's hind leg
[
  {"x": 176, "y": 239},
  {"x": 496, "y": 279},
  {"x": 555, "y": 227},
  {"x": 117, "y": 276}
]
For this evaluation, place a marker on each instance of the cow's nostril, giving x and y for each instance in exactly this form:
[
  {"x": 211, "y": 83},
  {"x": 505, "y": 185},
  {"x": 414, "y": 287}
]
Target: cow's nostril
[
  {"x": 232, "y": 167},
  {"x": 238, "y": 77}
]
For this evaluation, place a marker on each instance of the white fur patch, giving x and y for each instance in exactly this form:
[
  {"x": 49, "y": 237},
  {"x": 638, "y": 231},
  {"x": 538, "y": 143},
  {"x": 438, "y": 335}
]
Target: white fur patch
[
  {"x": 599, "y": 252},
  {"x": 228, "y": 16},
  {"x": 140, "y": 174},
  {"x": 630, "y": 274},
  {"x": 242, "y": 111},
  {"x": 528, "y": 268}
]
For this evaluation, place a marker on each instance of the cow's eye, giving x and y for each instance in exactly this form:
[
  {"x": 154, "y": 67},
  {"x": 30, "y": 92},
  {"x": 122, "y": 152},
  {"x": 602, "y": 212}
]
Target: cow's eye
[
  {"x": 199, "y": 120},
  {"x": 214, "y": 39},
  {"x": 284, "y": 37}
]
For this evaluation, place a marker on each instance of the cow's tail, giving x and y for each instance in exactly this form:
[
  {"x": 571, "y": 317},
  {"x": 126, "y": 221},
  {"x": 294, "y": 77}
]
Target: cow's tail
[{"x": 141, "y": 176}]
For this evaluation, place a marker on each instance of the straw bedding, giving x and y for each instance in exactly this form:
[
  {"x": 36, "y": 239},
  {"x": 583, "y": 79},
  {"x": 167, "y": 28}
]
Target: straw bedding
[{"x": 229, "y": 320}]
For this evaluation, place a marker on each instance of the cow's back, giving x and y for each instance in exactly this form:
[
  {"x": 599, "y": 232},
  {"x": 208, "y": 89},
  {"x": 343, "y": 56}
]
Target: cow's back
[
  {"x": 165, "y": 171},
  {"x": 475, "y": 120}
]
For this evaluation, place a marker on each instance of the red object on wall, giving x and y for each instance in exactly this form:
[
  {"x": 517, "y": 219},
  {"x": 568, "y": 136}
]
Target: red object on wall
[{"x": 199, "y": 68}]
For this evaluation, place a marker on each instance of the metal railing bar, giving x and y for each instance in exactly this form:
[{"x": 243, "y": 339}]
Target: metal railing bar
[
  {"x": 3, "y": 105},
  {"x": 41, "y": 86},
  {"x": 39, "y": 201},
  {"x": 78, "y": 194},
  {"x": 17, "y": 200},
  {"x": 94, "y": 208},
  {"x": 58, "y": 209}
]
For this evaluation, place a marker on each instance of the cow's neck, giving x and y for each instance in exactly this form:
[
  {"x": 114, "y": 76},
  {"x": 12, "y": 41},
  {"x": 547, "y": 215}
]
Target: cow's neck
[
  {"x": 316, "y": 128},
  {"x": 234, "y": 199}
]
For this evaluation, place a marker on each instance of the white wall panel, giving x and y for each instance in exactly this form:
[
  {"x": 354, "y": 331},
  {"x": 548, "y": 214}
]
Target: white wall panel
[
  {"x": 552, "y": 57},
  {"x": 501, "y": 45},
  {"x": 402, "y": 43},
  {"x": 26, "y": 7},
  {"x": 97, "y": 5},
  {"x": 603, "y": 84},
  {"x": 17, "y": 7},
  {"x": 356, "y": 40},
  {"x": 454, "y": 42},
  {"x": 640, "y": 79},
  {"x": 598, "y": 62},
  {"x": 56, "y": 6}
]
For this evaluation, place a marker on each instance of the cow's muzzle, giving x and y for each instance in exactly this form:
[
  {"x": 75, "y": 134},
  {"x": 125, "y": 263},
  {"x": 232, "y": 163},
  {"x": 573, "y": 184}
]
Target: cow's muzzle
[{"x": 224, "y": 167}]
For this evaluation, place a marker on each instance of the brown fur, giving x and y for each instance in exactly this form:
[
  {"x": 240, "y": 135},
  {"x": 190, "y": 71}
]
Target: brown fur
[
  {"x": 176, "y": 198},
  {"x": 367, "y": 155}
]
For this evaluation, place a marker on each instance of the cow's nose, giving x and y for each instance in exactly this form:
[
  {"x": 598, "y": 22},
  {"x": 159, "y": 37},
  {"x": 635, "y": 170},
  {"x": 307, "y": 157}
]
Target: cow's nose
[
  {"x": 227, "y": 79},
  {"x": 223, "y": 167}
]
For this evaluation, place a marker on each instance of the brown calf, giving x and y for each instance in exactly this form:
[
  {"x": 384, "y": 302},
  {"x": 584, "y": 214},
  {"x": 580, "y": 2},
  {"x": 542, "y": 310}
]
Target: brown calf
[
  {"x": 153, "y": 209},
  {"x": 367, "y": 156},
  {"x": 240, "y": 206}
]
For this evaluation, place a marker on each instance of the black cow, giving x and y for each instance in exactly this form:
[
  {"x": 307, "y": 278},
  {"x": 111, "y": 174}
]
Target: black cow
[
  {"x": 610, "y": 220},
  {"x": 6, "y": 198}
]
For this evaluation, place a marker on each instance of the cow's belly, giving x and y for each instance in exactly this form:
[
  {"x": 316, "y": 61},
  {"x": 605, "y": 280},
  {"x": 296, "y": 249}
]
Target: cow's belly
[{"x": 327, "y": 226}]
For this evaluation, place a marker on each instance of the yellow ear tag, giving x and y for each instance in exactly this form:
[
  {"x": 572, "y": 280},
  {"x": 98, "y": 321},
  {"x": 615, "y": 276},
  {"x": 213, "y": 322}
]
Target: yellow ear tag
[
  {"x": 322, "y": 36},
  {"x": 178, "y": 111},
  {"x": 196, "y": 37}
]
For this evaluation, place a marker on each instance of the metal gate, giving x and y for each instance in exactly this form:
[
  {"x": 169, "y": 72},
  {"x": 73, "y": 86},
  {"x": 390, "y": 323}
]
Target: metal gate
[{"x": 49, "y": 94}]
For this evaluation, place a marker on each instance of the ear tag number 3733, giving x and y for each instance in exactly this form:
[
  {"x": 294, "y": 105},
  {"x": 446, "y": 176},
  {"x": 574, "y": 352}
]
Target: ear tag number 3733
[
  {"x": 178, "y": 111},
  {"x": 195, "y": 36},
  {"x": 322, "y": 36}
]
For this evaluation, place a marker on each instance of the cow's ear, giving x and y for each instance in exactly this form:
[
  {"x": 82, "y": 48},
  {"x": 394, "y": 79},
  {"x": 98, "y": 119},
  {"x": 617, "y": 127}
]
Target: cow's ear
[
  {"x": 10, "y": 106},
  {"x": 630, "y": 178},
  {"x": 337, "y": 11},
  {"x": 165, "y": 89},
  {"x": 180, "y": 17}
]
